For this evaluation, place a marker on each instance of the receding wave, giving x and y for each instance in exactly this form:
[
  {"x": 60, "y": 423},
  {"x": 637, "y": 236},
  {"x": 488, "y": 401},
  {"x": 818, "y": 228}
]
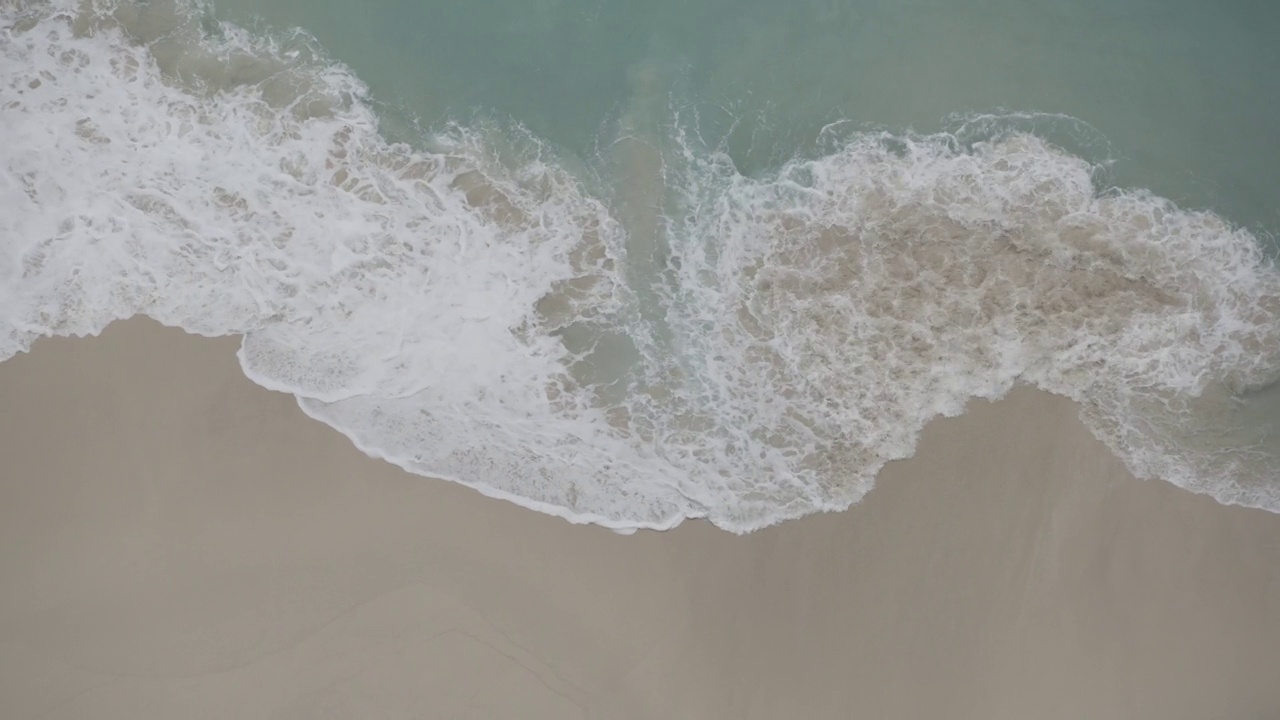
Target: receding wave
[{"x": 685, "y": 342}]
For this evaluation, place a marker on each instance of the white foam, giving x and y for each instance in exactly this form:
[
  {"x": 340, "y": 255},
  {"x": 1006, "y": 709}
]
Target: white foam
[
  {"x": 754, "y": 353},
  {"x": 895, "y": 279}
]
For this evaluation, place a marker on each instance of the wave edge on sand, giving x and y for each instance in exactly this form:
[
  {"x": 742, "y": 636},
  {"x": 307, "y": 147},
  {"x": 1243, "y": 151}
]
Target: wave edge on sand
[{"x": 754, "y": 351}]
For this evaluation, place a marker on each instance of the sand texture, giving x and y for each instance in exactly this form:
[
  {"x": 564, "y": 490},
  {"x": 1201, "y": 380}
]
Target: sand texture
[{"x": 176, "y": 542}]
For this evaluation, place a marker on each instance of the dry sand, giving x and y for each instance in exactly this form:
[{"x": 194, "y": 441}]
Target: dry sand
[{"x": 177, "y": 542}]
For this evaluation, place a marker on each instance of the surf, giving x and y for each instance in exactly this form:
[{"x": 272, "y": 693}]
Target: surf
[{"x": 633, "y": 339}]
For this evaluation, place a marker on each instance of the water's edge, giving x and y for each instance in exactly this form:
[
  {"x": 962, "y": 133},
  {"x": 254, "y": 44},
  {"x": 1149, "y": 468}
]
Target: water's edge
[{"x": 650, "y": 337}]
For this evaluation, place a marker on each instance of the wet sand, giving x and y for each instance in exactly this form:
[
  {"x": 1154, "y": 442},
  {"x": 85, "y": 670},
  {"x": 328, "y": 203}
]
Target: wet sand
[{"x": 178, "y": 542}]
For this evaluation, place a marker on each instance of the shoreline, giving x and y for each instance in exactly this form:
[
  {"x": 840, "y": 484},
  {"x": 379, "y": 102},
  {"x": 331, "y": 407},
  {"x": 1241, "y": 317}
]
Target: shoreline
[{"x": 177, "y": 539}]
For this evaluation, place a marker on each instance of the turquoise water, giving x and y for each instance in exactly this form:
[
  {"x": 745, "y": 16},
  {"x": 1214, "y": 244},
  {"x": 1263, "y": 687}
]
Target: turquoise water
[
  {"x": 636, "y": 262},
  {"x": 1179, "y": 92}
]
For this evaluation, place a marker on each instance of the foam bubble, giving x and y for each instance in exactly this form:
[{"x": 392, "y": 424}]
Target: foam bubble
[{"x": 697, "y": 344}]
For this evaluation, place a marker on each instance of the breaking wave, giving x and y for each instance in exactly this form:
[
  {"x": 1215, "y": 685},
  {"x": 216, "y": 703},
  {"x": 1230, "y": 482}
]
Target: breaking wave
[{"x": 684, "y": 341}]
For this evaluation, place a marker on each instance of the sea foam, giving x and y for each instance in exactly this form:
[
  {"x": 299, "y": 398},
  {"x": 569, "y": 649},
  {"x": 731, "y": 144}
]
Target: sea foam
[{"x": 686, "y": 342}]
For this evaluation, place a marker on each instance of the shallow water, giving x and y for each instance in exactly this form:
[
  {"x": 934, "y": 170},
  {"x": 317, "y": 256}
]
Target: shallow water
[
  {"x": 639, "y": 262},
  {"x": 1177, "y": 92}
]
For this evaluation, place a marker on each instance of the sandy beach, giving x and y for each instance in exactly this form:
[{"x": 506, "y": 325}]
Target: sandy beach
[{"x": 178, "y": 542}]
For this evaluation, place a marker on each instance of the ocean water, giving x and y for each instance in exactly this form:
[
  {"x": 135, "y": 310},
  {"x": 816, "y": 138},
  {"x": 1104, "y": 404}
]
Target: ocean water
[{"x": 634, "y": 262}]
